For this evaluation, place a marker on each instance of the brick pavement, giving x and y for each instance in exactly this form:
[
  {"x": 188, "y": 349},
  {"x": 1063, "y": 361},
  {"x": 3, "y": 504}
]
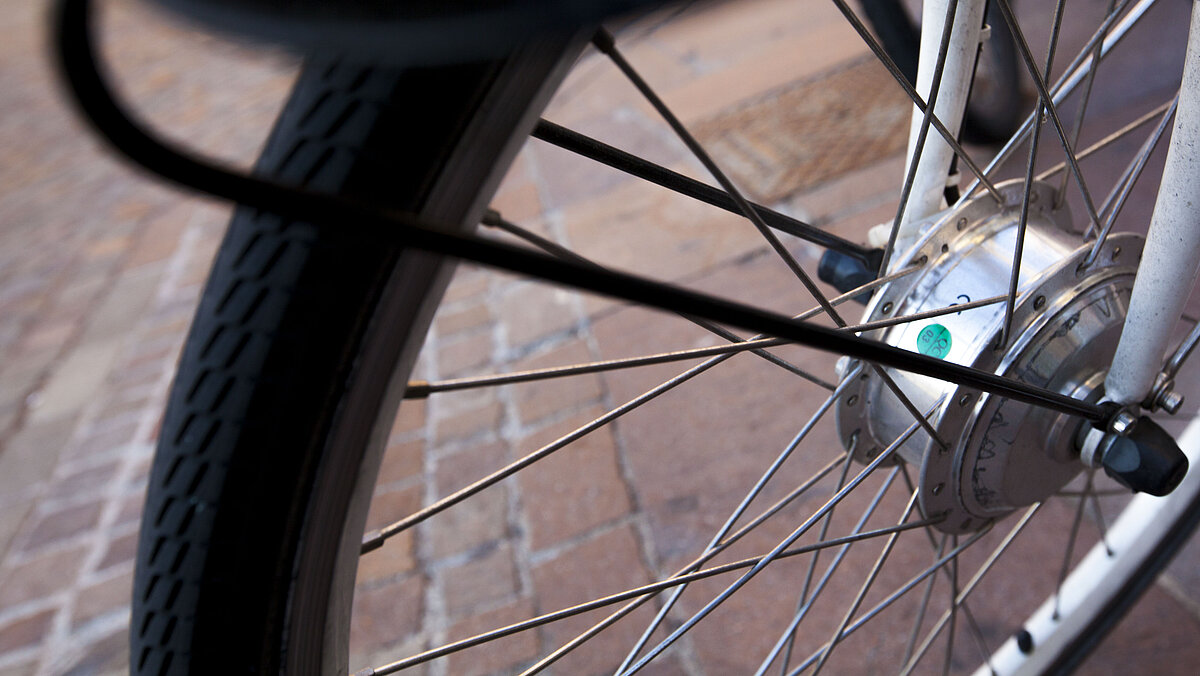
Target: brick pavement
[{"x": 100, "y": 270}]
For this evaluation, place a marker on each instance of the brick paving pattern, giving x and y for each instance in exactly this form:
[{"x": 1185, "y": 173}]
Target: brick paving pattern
[{"x": 100, "y": 270}]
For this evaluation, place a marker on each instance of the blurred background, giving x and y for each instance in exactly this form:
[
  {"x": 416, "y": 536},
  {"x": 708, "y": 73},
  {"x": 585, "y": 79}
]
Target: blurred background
[{"x": 101, "y": 268}]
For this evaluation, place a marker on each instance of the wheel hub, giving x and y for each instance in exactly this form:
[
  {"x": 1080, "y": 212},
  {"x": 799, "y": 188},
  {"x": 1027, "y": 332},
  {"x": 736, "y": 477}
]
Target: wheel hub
[{"x": 999, "y": 454}]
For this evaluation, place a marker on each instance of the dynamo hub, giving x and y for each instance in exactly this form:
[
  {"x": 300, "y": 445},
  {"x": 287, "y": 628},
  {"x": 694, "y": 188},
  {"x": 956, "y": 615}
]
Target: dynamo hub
[{"x": 999, "y": 454}]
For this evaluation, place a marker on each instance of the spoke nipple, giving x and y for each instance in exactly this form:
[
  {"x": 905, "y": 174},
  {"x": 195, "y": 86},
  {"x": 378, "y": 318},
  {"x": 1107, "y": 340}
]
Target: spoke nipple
[
  {"x": 603, "y": 40},
  {"x": 1024, "y": 641},
  {"x": 372, "y": 541}
]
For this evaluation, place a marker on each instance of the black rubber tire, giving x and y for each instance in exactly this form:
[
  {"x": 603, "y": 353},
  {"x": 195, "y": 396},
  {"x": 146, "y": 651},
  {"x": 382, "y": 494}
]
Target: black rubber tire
[{"x": 300, "y": 339}]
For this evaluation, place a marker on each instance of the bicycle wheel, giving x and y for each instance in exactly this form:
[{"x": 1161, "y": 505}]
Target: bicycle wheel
[{"x": 302, "y": 348}]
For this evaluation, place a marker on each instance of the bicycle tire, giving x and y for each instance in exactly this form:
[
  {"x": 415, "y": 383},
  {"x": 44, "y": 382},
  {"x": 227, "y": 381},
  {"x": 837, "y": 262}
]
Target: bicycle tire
[
  {"x": 292, "y": 324},
  {"x": 283, "y": 342}
]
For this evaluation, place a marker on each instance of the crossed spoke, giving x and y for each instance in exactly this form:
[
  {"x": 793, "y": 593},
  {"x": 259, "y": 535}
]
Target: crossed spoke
[{"x": 732, "y": 200}]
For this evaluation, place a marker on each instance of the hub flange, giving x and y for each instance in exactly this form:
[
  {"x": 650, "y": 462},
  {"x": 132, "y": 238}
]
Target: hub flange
[{"x": 999, "y": 454}]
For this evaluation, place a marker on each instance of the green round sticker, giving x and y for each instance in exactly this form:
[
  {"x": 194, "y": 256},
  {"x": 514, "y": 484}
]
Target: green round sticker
[{"x": 934, "y": 340}]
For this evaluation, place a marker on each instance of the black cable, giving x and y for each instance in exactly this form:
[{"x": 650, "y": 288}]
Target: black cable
[{"x": 620, "y": 160}]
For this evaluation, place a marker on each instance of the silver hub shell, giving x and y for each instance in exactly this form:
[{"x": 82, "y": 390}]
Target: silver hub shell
[{"x": 999, "y": 454}]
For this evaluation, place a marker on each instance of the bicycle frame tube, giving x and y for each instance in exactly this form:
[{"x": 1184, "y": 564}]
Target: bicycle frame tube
[
  {"x": 929, "y": 184},
  {"x": 1172, "y": 251}
]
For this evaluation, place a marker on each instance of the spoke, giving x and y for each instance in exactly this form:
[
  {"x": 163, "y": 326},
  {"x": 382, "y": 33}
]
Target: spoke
[
  {"x": 789, "y": 633},
  {"x": 375, "y": 539},
  {"x": 754, "y": 492},
  {"x": 953, "y": 612},
  {"x": 1070, "y": 549},
  {"x": 890, "y": 65},
  {"x": 787, "y": 542},
  {"x": 896, "y": 595},
  {"x": 1115, "y": 201},
  {"x": 1050, "y": 107},
  {"x": 977, "y": 636},
  {"x": 1100, "y": 523},
  {"x": 695, "y": 564},
  {"x": 826, "y": 305},
  {"x": 922, "y": 135},
  {"x": 970, "y": 586},
  {"x": 635, "y": 166},
  {"x": 643, "y": 591},
  {"x": 924, "y": 607},
  {"x": 1060, "y": 195},
  {"x": 1095, "y": 493},
  {"x": 976, "y": 632},
  {"x": 419, "y": 389},
  {"x": 494, "y": 219},
  {"x": 604, "y": 42},
  {"x": 1107, "y": 141},
  {"x": 918, "y": 316},
  {"x": 866, "y": 587},
  {"x": 1074, "y": 73},
  {"x": 1023, "y": 220},
  {"x": 812, "y": 566}
]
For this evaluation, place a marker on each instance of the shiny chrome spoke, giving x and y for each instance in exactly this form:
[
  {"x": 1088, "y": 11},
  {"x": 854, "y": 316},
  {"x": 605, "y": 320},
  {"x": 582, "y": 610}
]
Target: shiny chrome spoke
[
  {"x": 419, "y": 389},
  {"x": 970, "y": 586},
  {"x": 809, "y": 573},
  {"x": 605, "y": 43},
  {"x": 1108, "y": 141},
  {"x": 494, "y": 219},
  {"x": 695, "y": 564},
  {"x": 1100, "y": 522},
  {"x": 895, "y": 596},
  {"x": 375, "y": 539},
  {"x": 643, "y": 592},
  {"x": 1133, "y": 171},
  {"x": 787, "y": 542},
  {"x": 1108, "y": 35},
  {"x": 924, "y": 605},
  {"x": 953, "y": 612},
  {"x": 928, "y": 314},
  {"x": 866, "y": 587},
  {"x": 1181, "y": 353},
  {"x": 1085, "y": 98},
  {"x": 938, "y": 546},
  {"x": 738, "y": 512},
  {"x": 789, "y": 633},
  {"x": 1050, "y": 107},
  {"x": 1023, "y": 219},
  {"x": 1071, "y": 538}
]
